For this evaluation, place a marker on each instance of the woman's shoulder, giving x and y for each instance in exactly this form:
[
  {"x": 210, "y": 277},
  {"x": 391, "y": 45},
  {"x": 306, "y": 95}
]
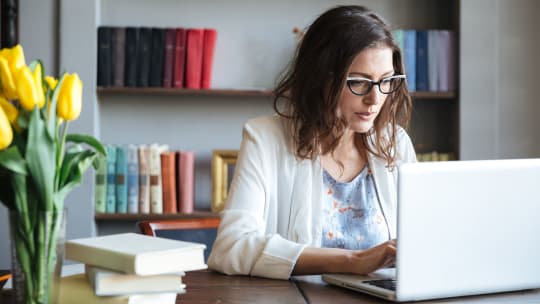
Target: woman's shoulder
[{"x": 269, "y": 126}]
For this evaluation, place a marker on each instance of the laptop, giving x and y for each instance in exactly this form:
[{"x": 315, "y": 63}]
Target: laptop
[{"x": 463, "y": 228}]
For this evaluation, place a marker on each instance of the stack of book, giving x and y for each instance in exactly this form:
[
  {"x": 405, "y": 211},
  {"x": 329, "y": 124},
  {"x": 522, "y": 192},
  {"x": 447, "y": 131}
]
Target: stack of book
[
  {"x": 145, "y": 179},
  {"x": 155, "y": 57},
  {"x": 129, "y": 268}
]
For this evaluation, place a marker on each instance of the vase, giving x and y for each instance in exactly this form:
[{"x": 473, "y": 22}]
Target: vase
[{"x": 37, "y": 253}]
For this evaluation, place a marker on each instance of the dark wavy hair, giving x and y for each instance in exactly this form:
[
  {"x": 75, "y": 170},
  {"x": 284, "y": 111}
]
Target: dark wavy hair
[{"x": 309, "y": 90}]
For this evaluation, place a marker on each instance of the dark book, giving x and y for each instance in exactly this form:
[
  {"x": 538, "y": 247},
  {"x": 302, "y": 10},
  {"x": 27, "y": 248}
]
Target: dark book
[
  {"x": 179, "y": 58},
  {"x": 194, "y": 57},
  {"x": 422, "y": 61},
  {"x": 130, "y": 71},
  {"x": 157, "y": 57},
  {"x": 104, "y": 71},
  {"x": 168, "y": 66},
  {"x": 209, "y": 46},
  {"x": 144, "y": 52},
  {"x": 9, "y": 19},
  {"x": 118, "y": 55}
]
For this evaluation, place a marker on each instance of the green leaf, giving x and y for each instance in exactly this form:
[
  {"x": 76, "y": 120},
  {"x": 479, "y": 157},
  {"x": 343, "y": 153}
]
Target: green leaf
[
  {"x": 7, "y": 195},
  {"x": 12, "y": 160},
  {"x": 51, "y": 122},
  {"x": 87, "y": 139},
  {"x": 75, "y": 176},
  {"x": 71, "y": 163},
  {"x": 41, "y": 159}
]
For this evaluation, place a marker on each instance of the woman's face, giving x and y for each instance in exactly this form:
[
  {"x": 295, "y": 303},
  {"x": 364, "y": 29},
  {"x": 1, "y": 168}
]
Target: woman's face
[{"x": 360, "y": 111}]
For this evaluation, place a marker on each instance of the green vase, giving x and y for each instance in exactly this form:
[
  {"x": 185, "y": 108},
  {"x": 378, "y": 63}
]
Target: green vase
[{"x": 37, "y": 253}]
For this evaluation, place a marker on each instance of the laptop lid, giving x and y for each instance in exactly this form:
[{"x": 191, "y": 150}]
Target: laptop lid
[{"x": 468, "y": 227}]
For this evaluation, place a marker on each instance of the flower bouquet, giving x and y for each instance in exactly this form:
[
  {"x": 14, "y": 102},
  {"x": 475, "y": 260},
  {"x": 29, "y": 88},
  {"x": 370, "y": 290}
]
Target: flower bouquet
[{"x": 40, "y": 163}]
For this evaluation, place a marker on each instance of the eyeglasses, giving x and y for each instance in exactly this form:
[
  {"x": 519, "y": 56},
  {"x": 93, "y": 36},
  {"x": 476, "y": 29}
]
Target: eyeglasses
[{"x": 361, "y": 86}]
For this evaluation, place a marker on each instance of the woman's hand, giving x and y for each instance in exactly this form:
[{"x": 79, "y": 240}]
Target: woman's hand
[
  {"x": 369, "y": 260},
  {"x": 335, "y": 260}
]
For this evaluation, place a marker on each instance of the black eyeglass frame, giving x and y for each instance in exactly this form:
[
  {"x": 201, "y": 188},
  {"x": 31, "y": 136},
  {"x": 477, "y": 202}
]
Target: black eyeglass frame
[{"x": 372, "y": 83}]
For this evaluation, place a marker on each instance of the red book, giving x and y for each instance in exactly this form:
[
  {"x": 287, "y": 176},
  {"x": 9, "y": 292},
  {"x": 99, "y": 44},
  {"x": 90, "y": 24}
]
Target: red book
[
  {"x": 168, "y": 66},
  {"x": 179, "y": 57},
  {"x": 194, "y": 56},
  {"x": 185, "y": 180},
  {"x": 209, "y": 45},
  {"x": 168, "y": 182}
]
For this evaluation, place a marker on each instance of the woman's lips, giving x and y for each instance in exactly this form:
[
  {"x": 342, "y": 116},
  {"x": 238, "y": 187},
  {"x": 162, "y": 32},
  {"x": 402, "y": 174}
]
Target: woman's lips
[{"x": 364, "y": 115}]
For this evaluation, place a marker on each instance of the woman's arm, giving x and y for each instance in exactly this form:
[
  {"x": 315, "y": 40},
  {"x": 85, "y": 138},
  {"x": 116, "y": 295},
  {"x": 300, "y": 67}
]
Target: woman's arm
[{"x": 334, "y": 260}]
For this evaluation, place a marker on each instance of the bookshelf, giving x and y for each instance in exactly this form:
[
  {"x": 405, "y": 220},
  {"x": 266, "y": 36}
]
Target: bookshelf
[
  {"x": 104, "y": 217},
  {"x": 246, "y": 59}
]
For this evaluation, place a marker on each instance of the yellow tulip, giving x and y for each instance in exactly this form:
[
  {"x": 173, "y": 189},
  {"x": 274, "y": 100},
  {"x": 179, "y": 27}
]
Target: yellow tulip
[
  {"x": 38, "y": 80},
  {"x": 27, "y": 89},
  {"x": 16, "y": 61},
  {"x": 6, "y": 133},
  {"x": 6, "y": 78},
  {"x": 51, "y": 81},
  {"x": 70, "y": 98},
  {"x": 11, "y": 111}
]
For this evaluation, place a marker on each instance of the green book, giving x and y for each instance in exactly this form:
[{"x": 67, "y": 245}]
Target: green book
[{"x": 100, "y": 187}]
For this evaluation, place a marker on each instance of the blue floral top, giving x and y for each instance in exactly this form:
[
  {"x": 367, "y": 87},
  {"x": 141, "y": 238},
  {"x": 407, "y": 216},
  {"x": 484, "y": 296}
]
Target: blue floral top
[{"x": 352, "y": 218}]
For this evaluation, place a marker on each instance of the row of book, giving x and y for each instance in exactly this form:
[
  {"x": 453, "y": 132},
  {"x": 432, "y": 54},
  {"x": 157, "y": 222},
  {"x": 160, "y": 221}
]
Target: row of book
[
  {"x": 430, "y": 58},
  {"x": 155, "y": 57},
  {"x": 434, "y": 156},
  {"x": 119, "y": 269},
  {"x": 145, "y": 179}
]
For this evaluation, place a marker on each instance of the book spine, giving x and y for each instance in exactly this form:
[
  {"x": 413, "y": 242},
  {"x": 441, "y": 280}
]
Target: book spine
[
  {"x": 186, "y": 177},
  {"x": 100, "y": 187},
  {"x": 118, "y": 55},
  {"x": 130, "y": 71},
  {"x": 156, "y": 199},
  {"x": 194, "y": 58},
  {"x": 133, "y": 180},
  {"x": 422, "y": 61},
  {"x": 209, "y": 46},
  {"x": 104, "y": 73},
  {"x": 157, "y": 57},
  {"x": 409, "y": 58},
  {"x": 452, "y": 61},
  {"x": 168, "y": 65},
  {"x": 121, "y": 179},
  {"x": 433, "y": 60},
  {"x": 111, "y": 179},
  {"x": 168, "y": 179},
  {"x": 144, "y": 50},
  {"x": 398, "y": 36},
  {"x": 144, "y": 179},
  {"x": 179, "y": 58}
]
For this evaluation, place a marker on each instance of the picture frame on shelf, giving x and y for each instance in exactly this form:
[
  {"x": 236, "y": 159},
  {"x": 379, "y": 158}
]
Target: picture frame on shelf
[{"x": 223, "y": 164}]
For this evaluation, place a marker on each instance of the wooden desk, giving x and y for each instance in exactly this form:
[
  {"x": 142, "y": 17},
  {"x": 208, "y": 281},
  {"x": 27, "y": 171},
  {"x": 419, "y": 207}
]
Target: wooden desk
[{"x": 212, "y": 287}]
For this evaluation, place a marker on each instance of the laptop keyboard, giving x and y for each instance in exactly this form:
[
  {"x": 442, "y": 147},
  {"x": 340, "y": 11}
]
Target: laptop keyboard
[{"x": 385, "y": 283}]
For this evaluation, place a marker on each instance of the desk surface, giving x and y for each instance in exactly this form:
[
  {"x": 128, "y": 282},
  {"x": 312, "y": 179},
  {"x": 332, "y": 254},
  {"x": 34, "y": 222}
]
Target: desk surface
[{"x": 211, "y": 287}]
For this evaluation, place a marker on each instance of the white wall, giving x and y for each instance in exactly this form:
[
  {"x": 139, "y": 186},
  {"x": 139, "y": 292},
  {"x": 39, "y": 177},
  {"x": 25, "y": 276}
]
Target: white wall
[{"x": 499, "y": 102}]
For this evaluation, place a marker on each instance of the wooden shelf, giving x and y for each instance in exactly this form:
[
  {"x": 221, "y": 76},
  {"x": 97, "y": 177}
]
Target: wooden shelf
[
  {"x": 144, "y": 217},
  {"x": 103, "y": 91},
  {"x": 174, "y": 91}
]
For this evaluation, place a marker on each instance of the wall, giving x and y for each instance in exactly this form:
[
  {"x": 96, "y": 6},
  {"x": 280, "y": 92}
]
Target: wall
[{"x": 499, "y": 63}]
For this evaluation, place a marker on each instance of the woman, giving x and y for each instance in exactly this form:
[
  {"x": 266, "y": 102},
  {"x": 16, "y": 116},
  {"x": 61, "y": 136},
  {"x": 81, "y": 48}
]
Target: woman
[{"x": 314, "y": 189}]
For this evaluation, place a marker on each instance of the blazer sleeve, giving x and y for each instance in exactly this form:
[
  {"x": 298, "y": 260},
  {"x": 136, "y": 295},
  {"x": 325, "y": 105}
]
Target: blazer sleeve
[{"x": 242, "y": 245}]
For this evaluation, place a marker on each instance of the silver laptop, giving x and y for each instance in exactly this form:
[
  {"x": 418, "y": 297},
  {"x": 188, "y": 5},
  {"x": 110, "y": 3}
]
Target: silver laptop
[{"x": 464, "y": 228}]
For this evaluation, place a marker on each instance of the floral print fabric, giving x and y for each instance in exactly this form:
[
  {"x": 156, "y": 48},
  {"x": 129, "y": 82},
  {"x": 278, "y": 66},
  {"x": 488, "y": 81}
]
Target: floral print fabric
[{"x": 352, "y": 218}]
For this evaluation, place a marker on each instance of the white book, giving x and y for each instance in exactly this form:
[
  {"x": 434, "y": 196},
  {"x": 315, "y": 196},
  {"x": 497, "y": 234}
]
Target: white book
[
  {"x": 112, "y": 283},
  {"x": 144, "y": 179},
  {"x": 139, "y": 254},
  {"x": 156, "y": 190},
  {"x": 76, "y": 289}
]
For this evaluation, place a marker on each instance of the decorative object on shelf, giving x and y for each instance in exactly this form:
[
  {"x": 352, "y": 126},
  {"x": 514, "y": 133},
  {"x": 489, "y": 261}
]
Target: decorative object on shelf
[
  {"x": 223, "y": 162},
  {"x": 39, "y": 165}
]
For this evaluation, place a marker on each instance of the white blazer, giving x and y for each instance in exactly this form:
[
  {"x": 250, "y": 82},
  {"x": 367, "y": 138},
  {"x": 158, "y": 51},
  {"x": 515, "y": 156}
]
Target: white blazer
[{"x": 273, "y": 208}]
